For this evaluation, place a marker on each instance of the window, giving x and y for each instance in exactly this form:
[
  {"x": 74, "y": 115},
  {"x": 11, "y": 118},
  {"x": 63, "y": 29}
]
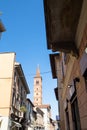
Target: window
[
  {"x": 17, "y": 97},
  {"x": 37, "y": 82},
  {"x": 75, "y": 115},
  {"x": 75, "y": 109},
  {"x": 13, "y": 97},
  {"x": 67, "y": 119},
  {"x": 85, "y": 78},
  {"x": 18, "y": 81},
  {"x": 15, "y": 77},
  {"x": 37, "y": 99}
]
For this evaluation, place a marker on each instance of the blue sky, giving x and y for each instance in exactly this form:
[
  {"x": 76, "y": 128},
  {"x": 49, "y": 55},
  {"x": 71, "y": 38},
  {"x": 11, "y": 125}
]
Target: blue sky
[{"x": 25, "y": 35}]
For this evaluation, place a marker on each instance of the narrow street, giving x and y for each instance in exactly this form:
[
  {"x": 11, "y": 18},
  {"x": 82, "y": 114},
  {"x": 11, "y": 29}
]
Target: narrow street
[{"x": 43, "y": 65}]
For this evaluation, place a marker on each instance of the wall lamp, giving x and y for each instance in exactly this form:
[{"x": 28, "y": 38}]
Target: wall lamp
[
  {"x": 77, "y": 79},
  {"x": 69, "y": 86}
]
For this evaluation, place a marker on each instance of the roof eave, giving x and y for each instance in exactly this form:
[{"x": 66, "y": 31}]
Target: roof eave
[
  {"x": 60, "y": 29},
  {"x": 22, "y": 76}
]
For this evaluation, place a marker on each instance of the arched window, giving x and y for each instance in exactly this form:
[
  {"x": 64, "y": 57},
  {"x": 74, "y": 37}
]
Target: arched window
[{"x": 37, "y": 82}]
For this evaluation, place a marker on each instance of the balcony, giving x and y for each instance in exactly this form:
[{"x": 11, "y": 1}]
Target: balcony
[{"x": 62, "y": 19}]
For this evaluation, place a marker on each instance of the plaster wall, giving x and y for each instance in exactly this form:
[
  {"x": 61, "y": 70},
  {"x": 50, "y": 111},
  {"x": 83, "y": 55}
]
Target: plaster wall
[{"x": 6, "y": 78}]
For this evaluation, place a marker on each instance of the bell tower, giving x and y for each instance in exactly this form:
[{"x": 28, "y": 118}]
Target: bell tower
[{"x": 38, "y": 88}]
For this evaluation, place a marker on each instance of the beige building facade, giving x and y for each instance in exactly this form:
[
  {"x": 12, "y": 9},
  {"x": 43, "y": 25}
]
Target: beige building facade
[{"x": 14, "y": 89}]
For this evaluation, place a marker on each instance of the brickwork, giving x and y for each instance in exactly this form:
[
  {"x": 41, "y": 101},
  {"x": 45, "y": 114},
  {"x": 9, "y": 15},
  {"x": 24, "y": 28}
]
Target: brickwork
[
  {"x": 80, "y": 86},
  {"x": 82, "y": 93}
]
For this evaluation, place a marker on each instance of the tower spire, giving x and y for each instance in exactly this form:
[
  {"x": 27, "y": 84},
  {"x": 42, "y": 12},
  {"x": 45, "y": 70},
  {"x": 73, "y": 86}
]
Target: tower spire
[
  {"x": 37, "y": 87},
  {"x": 38, "y": 71}
]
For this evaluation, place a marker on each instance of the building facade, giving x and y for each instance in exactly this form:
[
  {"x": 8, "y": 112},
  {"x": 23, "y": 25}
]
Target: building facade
[
  {"x": 66, "y": 28},
  {"x": 31, "y": 115},
  {"x": 45, "y": 108},
  {"x": 57, "y": 65},
  {"x": 14, "y": 90},
  {"x": 39, "y": 123}
]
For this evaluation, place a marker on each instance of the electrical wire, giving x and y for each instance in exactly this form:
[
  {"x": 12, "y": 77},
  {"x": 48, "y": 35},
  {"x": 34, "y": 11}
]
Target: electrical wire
[{"x": 26, "y": 75}]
